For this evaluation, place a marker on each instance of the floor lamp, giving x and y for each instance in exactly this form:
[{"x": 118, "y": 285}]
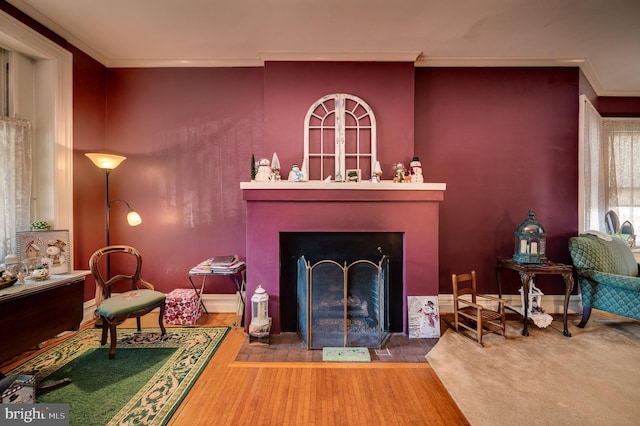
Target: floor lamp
[{"x": 108, "y": 162}]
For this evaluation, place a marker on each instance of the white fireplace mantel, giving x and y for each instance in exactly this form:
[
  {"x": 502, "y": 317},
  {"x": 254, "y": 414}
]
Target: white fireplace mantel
[{"x": 348, "y": 186}]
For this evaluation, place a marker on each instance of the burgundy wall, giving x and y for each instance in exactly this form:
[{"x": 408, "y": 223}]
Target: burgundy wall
[
  {"x": 89, "y": 94},
  {"x": 188, "y": 135},
  {"x": 618, "y": 106},
  {"x": 504, "y": 140},
  {"x": 292, "y": 87}
]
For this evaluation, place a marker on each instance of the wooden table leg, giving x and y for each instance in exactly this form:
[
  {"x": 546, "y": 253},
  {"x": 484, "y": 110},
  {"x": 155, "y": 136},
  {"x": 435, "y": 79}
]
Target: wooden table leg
[
  {"x": 526, "y": 281},
  {"x": 568, "y": 281}
]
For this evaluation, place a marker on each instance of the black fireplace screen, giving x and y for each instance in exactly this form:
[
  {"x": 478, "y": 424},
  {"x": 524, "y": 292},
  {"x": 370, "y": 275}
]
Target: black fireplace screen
[{"x": 343, "y": 305}]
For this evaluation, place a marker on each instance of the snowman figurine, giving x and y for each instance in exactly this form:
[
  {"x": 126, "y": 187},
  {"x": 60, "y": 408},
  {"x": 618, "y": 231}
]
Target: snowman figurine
[
  {"x": 416, "y": 170},
  {"x": 296, "y": 175},
  {"x": 264, "y": 171}
]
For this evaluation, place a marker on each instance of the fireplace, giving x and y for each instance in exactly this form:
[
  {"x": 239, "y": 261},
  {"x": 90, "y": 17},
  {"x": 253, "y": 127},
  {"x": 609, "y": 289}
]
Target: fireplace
[
  {"x": 410, "y": 210},
  {"x": 341, "y": 305},
  {"x": 341, "y": 248}
]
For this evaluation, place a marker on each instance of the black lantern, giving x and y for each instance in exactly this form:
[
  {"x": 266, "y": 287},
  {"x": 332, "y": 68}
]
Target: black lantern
[{"x": 530, "y": 241}]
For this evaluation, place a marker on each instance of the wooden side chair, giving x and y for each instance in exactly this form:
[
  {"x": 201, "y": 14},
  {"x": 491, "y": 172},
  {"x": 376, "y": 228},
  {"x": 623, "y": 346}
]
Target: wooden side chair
[
  {"x": 472, "y": 319},
  {"x": 114, "y": 309}
]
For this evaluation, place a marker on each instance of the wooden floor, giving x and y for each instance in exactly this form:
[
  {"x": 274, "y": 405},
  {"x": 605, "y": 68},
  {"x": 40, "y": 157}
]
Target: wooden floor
[
  {"x": 311, "y": 393},
  {"x": 242, "y": 393}
]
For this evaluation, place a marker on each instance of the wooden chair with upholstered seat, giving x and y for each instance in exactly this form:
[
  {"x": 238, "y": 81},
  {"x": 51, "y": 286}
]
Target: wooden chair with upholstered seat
[
  {"x": 471, "y": 318},
  {"x": 137, "y": 299}
]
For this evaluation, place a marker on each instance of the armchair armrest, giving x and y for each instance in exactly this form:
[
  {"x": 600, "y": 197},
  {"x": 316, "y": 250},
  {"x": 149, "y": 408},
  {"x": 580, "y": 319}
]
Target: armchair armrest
[
  {"x": 469, "y": 303},
  {"x": 620, "y": 281}
]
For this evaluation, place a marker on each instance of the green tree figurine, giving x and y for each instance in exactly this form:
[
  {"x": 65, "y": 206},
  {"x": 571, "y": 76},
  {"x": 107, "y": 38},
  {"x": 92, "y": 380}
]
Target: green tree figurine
[{"x": 253, "y": 167}]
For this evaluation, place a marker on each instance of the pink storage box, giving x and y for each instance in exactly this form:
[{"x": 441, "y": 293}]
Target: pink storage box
[{"x": 182, "y": 307}]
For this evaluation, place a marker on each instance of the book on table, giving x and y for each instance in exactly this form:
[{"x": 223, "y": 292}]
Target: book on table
[
  {"x": 218, "y": 264},
  {"x": 222, "y": 261}
]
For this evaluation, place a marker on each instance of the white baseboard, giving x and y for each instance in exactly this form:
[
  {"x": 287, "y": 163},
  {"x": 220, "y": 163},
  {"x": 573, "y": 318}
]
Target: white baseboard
[
  {"x": 552, "y": 304},
  {"x": 222, "y": 303}
]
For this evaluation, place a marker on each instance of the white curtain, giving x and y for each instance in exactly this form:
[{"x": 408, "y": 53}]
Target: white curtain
[
  {"x": 622, "y": 140},
  {"x": 594, "y": 168},
  {"x": 15, "y": 181}
]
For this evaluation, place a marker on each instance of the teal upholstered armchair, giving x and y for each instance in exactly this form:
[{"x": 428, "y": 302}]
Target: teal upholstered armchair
[{"x": 607, "y": 272}]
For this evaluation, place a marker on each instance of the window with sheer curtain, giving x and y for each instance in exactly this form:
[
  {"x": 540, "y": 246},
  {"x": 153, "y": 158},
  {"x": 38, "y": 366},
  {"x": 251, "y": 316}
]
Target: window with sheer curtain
[
  {"x": 15, "y": 180},
  {"x": 623, "y": 148},
  {"x": 42, "y": 93},
  {"x": 610, "y": 168}
]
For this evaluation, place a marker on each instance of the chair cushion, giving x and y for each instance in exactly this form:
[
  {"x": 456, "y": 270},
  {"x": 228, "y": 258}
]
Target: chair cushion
[
  {"x": 613, "y": 257},
  {"x": 131, "y": 301}
]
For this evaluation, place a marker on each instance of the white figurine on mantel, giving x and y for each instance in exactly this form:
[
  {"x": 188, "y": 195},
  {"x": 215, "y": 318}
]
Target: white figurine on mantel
[
  {"x": 377, "y": 172},
  {"x": 275, "y": 168},
  {"x": 264, "y": 171},
  {"x": 536, "y": 313},
  {"x": 415, "y": 168},
  {"x": 295, "y": 175}
]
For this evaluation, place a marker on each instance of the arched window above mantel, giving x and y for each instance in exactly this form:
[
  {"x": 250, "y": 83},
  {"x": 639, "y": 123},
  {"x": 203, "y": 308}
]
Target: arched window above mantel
[{"x": 339, "y": 135}]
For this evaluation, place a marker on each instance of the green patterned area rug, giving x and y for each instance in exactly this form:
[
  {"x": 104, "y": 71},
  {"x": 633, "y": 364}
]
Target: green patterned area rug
[{"x": 144, "y": 384}]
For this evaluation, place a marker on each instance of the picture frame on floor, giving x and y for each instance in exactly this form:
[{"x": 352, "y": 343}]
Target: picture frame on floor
[{"x": 424, "y": 316}]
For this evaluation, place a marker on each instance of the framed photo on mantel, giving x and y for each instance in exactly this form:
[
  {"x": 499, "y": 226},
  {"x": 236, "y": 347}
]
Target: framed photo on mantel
[{"x": 50, "y": 248}]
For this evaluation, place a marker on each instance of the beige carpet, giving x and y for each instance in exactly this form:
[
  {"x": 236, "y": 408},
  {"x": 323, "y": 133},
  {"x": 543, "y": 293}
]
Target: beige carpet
[{"x": 592, "y": 378}]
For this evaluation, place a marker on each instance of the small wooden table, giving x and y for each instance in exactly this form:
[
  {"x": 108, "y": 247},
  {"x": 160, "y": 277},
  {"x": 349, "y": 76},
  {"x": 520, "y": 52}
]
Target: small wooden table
[
  {"x": 236, "y": 273},
  {"x": 527, "y": 272}
]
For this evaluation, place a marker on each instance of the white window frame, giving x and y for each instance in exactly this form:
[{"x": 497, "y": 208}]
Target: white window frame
[
  {"x": 590, "y": 183},
  {"x": 52, "y": 121},
  {"x": 596, "y": 193},
  {"x": 353, "y": 125}
]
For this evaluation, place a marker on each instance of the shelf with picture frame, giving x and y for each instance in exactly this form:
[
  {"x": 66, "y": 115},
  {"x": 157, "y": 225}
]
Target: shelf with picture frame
[{"x": 47, "y": 247}]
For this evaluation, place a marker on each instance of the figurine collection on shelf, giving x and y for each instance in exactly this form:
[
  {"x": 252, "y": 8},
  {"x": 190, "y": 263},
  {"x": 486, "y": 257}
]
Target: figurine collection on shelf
[{"x": 264, "y": 170}]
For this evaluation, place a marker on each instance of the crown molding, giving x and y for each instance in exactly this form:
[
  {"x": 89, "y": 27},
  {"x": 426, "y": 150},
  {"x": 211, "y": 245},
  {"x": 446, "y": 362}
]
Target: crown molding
[
  {"x": 341, "y": 56},
  {"x": 185, "y": 63},
  {"x": 499, "y": 62},
  {"x": 266, "y": 57}
]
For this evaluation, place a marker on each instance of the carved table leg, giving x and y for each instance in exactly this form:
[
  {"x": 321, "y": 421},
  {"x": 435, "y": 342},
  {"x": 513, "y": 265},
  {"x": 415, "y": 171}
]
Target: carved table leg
[
  {"x": 568, "y": 281},
  {"x": 526, "y": 281}
]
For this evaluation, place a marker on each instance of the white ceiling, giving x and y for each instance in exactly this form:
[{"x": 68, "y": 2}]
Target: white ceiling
[{"x": 600, "y": 36}]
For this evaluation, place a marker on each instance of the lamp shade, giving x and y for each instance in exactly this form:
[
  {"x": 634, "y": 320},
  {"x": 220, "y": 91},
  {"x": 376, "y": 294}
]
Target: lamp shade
[
  {"x": 106, "y": 161},
  {"x": 133, "y": 218}
]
